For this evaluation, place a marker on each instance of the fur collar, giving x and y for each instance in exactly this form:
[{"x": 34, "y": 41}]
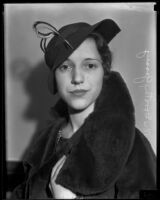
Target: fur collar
[{"x": 105, "y": 141}]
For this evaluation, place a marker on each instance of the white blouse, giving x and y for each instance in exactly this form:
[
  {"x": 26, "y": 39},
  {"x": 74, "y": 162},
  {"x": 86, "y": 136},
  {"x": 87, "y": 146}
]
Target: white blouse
[{"x": 58, "y": 191}]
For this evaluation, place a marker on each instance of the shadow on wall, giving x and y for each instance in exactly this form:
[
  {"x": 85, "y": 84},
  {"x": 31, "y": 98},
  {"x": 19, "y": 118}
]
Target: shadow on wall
[
  {"x": 40, "y": 98},
  {"x": 34, "y": 80}
]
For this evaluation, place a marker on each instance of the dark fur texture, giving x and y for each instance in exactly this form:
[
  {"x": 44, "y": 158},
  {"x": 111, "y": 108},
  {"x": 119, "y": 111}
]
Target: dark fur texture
[{"x": 110, "y": 151}]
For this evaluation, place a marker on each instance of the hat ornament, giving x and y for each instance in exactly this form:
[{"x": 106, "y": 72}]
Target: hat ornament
[{"x": 45, "y": 31}]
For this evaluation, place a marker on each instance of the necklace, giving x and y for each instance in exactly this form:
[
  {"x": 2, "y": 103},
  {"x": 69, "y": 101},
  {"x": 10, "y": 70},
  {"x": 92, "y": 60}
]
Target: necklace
[{"x": 59, "y": 135}]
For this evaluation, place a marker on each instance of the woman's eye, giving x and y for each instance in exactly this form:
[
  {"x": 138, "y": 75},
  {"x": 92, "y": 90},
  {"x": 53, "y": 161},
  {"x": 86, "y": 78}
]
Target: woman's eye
[
  {"x": 64, "y": 67},
  {"x": 91, "y": 66}
]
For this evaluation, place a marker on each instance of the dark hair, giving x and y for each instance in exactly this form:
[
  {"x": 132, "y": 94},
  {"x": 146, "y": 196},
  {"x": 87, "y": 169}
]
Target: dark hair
[{"x": 104, "y": 51}]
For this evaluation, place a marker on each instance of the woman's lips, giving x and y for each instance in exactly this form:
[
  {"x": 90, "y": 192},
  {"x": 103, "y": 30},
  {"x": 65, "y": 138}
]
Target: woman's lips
[{"x": 78, "y": 93}]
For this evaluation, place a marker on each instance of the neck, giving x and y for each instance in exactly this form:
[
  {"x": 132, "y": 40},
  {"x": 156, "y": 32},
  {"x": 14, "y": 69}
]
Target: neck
[{"x": 77, "y": 118}]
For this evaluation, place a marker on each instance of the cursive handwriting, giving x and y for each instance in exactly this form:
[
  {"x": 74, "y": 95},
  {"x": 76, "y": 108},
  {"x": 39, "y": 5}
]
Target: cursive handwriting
[{"x": 145, "y": 82}]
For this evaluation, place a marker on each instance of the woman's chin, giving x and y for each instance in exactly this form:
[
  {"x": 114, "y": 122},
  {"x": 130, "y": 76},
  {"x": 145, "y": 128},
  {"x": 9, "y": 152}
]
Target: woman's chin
[{"x": 78, "y": 105}]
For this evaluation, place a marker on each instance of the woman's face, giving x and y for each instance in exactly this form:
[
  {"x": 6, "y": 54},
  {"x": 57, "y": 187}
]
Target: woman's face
[{"x": 79, "y": 79}]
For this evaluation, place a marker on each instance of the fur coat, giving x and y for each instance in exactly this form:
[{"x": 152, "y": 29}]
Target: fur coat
[{"x": 109, "y": 159}]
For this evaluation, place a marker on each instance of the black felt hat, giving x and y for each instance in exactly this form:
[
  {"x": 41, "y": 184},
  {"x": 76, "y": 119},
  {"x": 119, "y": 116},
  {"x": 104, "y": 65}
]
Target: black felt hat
[{"x": 69, "y": 37}]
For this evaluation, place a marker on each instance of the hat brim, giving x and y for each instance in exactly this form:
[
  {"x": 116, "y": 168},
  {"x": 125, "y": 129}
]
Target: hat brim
[{"x": 107, "y": 28}]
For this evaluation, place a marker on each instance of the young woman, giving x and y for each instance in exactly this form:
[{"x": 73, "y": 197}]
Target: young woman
[{"x": 92, "y": 148}]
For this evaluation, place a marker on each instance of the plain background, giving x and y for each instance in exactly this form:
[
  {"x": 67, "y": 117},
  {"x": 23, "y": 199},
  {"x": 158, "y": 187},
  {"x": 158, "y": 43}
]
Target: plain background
[{"x": 28, "y": 100}]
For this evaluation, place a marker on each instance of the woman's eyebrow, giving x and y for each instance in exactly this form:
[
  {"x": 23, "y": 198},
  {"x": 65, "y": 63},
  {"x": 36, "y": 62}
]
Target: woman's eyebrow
[
  {"x": 93, "y": 59},
  {"x": 86, "y": 59}
]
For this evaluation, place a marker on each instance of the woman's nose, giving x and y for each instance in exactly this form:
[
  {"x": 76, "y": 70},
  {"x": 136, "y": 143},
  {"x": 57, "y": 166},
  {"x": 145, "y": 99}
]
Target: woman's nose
[{"x": 77, "y": 76}]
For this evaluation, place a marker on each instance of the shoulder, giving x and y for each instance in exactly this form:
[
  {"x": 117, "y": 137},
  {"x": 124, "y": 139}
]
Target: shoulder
[
  {"x": 42, "y": 141},
  {"x": 43, "y": 135},
  {"x": 142, "y": 147},
  {"x": 139, "y": 172},
  {"x": 140, "y": 168},
  {"x": 142, "y": 156}
]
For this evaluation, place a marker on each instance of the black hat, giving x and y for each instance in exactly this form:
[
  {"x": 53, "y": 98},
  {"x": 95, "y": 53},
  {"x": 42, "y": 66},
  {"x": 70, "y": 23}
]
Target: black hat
[{"x": 68, "y": 38}]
